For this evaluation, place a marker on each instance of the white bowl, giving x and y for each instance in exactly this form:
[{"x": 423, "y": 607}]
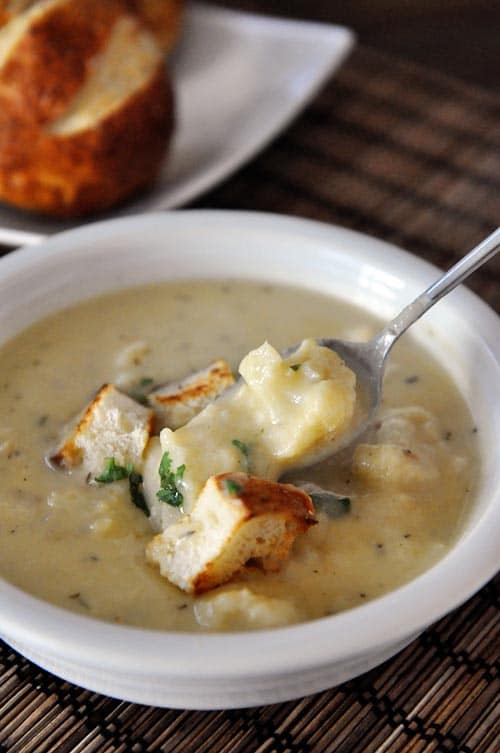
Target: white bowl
[{"x": 212, "y": 671}]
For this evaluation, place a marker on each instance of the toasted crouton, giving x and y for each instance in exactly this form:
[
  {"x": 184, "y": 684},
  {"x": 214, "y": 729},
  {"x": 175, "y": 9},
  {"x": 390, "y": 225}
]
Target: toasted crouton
[
  {"x": 112, "y": 425},
  {"x": 236, "y": 518},
  {"x": 177, "y": 403}
]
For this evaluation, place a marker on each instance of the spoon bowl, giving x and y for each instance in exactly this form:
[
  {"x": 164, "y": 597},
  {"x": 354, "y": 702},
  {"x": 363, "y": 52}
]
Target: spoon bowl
[{"x": 368, "y": 360}]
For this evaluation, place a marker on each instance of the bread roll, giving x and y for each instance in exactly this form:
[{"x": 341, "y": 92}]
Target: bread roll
[
  {"x": 162, "y": 17},
  {"x": 86, "y": 108}
]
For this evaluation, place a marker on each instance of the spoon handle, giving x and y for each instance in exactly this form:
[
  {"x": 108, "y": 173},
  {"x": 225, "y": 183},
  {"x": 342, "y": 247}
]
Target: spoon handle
[
  {"x": 479, "y": 255},
  {"x": 482, "y": 253}
]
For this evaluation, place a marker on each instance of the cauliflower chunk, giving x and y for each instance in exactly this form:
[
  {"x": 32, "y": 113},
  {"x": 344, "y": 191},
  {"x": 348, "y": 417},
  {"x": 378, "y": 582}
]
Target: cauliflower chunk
[
  {"x": 242, "y": 609},
  {"x": 304, "y": 401},
  {"x": 393, "y": 467},
  {"x": 236, "y": 518},
  {"x": 404, "y": 457},
  {"x": 161, "y": 515},
  {"x": 285, "y": 412},
  {"x": 112, "y": 425}
]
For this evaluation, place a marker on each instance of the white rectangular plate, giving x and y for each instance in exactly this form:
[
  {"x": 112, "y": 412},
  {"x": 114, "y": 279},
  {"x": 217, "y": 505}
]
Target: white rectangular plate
[{"x": 239, "y": 80}]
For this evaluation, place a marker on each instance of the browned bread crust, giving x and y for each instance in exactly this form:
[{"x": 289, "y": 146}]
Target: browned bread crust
[
  {"x": 11, "y": 8},
  {"x": 162, "y": 17},
  {"x": 50, "y": 62},
  {"x": 97, "y": 432},
  {"x": 93, "y": 168},
  {"x": 237, "y": 519}
]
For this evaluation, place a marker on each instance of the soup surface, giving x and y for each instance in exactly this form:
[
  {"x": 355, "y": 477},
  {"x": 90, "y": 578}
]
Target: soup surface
[{"x": 82, "y": 546}]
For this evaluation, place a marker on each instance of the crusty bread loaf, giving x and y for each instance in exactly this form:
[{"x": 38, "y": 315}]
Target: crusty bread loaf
[
  {"x": 236, "y": 518},
  {"x": 11, "y": 8},
  {"x": 162, "y": 17},
  {"x": 86, "y": 109}
]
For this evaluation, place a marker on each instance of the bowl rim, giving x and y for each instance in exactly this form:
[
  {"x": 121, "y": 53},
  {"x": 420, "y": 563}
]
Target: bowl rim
[{"x": 394, "y": 616}]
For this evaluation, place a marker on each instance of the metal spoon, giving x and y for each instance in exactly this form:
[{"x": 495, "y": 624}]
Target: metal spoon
[{"x": 368, "y": 360}]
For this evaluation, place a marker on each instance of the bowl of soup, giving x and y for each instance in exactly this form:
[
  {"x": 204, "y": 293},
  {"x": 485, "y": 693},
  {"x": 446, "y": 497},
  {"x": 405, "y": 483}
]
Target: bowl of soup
[{"x": 410, "y": 526}]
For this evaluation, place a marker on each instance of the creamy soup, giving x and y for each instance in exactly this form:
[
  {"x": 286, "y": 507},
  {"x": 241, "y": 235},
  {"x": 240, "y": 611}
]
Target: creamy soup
[{"x": 403, "y": 491}]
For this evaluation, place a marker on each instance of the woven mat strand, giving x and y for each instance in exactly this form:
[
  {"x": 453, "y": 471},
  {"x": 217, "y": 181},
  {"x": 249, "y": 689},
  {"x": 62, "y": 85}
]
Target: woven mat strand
[
  {"x": 391, "y": 150},
  {"x": 411, "y": 157}
]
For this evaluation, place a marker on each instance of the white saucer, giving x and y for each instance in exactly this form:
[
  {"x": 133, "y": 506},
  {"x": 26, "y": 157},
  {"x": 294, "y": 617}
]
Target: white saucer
[{"x": 239, "y": 80}]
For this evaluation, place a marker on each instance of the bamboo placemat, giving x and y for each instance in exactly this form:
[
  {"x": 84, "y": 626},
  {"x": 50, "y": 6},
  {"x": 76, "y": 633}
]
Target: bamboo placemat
[{"x": 404, "y": 154}]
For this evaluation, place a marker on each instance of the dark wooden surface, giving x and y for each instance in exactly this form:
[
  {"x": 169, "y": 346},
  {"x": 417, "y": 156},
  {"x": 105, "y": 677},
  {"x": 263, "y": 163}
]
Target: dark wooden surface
[
  {"x": 409, "y": 156},
  {"x": 458, "y": 37}
]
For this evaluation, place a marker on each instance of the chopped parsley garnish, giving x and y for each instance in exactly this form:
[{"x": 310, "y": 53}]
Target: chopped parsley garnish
[
  {"x": 169, "y": 491},
  {"x": 113, "y": 472},
  {"x": 232, "y": 487},
  {"x": 141, "y": 390},
  {"x": 333, "y": 504},
  {"x": 136, "y": 494},
  {"x": 244, "y": 449},
  {"x": 295, "y": 366}
]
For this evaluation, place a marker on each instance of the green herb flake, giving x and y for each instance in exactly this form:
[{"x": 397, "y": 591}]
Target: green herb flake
[
  {"x": 113, "y": 472},
  {"x": 169, "y": 491},
  {"x": 136, "y": 492},
  {"x": 333, "y": 504},
  {"x": 232, "y": 487},
  {"x": 244, "y": 449},
  {"x": 295, "y": 366},
  {"x": 140, "y": 392}
]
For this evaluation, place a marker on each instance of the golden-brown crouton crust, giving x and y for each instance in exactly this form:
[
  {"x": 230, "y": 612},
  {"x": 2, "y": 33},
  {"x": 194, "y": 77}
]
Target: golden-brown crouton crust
[
  {"x": 218, "y": 377},
  {"x": 69, "y": 454},
  {"x": 264, "y": 499},
  {"x": 261, "y": 496}
]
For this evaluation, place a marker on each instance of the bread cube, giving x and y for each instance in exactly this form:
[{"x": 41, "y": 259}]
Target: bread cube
[
  {"x": 236, "y": 518},
  {"x": 177, "y": 403},
  {"x": 112, "y": 425}
]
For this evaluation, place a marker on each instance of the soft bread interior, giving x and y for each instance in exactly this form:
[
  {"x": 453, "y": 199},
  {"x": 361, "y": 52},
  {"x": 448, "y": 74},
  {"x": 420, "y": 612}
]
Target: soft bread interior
[{"x": 123, "y": 67}]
